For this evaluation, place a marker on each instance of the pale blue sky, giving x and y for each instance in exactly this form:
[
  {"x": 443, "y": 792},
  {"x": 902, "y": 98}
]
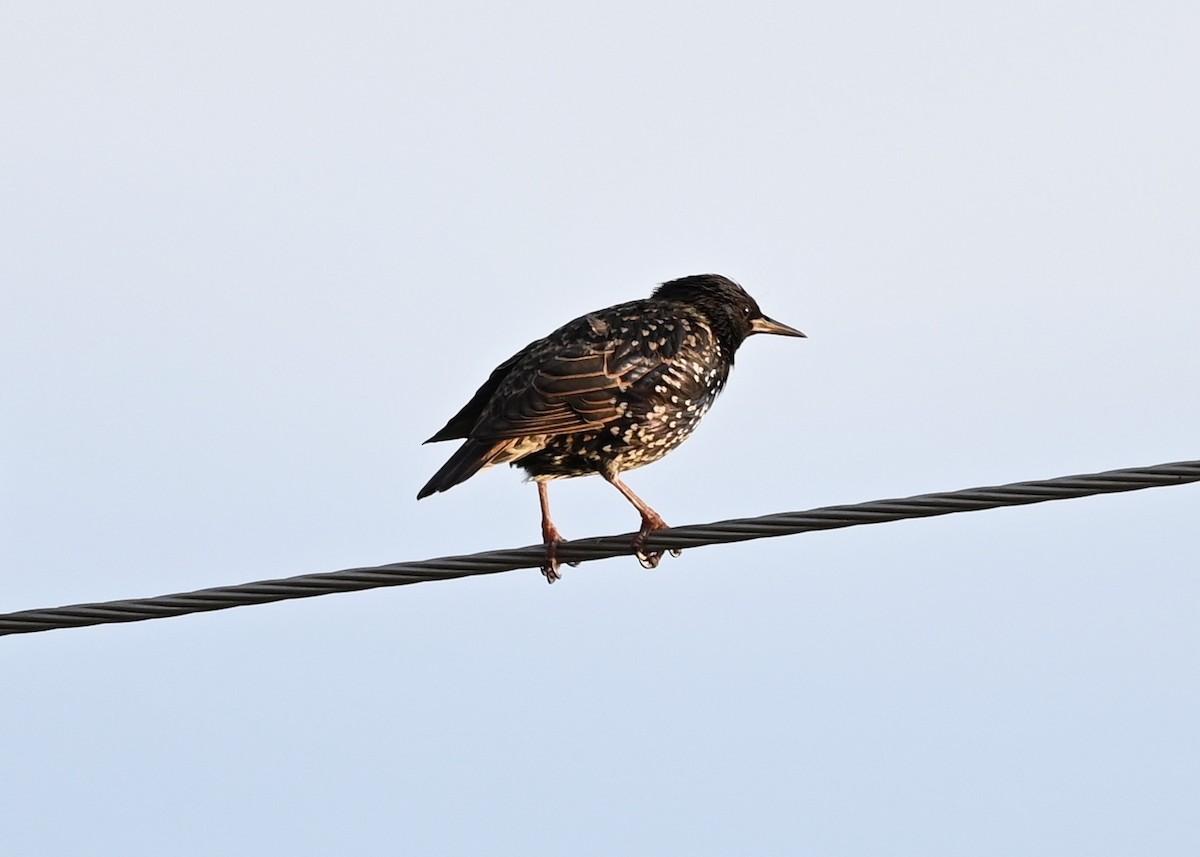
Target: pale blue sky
[{"x": 252, "y": 255}]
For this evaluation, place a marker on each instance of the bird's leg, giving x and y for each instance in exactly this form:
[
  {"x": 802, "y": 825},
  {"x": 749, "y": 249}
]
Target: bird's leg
[
  {"x": 550, "y": 536},
  {"x": 651, "y": 521}
]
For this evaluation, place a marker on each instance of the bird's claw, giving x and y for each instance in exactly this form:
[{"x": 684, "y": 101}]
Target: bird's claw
[
  {"x": 650, "y": 559},
  {"x": 550, "y": 566}
]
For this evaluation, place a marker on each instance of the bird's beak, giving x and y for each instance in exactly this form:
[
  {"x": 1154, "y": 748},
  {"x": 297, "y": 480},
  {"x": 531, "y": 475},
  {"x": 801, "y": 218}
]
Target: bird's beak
[{"x": 770, "y": 325}]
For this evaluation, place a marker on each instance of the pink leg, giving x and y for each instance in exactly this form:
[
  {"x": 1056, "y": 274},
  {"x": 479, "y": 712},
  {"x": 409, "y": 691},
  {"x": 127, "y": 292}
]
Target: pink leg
[
  {"x": 651, "y": 521},
  {"x": 550, "y": 535}
]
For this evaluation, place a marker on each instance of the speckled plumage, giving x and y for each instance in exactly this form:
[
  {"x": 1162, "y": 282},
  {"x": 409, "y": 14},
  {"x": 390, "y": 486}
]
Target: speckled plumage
[{"x": 611, "y": 391}]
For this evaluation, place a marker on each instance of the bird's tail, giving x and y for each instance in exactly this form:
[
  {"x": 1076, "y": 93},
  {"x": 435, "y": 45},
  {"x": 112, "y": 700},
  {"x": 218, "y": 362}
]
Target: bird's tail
[{"x": 469, "y": 459}]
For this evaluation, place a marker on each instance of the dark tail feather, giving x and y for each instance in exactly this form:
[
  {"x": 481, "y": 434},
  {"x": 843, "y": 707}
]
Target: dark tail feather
[{"x": 468, "y": 460}]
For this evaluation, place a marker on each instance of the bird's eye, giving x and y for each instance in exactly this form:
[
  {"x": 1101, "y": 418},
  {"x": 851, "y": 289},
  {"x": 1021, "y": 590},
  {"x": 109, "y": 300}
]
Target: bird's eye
[{"x": 746, "y": 311}]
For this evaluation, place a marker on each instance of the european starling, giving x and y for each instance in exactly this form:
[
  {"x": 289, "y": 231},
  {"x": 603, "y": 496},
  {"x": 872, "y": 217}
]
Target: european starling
[{"x": 613, "y": 390}]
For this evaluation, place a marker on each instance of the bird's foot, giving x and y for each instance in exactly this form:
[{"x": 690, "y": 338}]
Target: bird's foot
[
  {"x": 553, "y": 539},
  {"x": 550, "y": 566},
  {"x": 650, "y": 559}
]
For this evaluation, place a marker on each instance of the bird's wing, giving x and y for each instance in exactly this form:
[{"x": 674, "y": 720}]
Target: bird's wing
[
  {"x": 460, "y": 424},
  {"x": 573, "y": 388}
]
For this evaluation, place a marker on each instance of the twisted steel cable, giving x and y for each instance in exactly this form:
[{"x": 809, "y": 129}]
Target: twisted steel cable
[{"x": 583, "y": 550}]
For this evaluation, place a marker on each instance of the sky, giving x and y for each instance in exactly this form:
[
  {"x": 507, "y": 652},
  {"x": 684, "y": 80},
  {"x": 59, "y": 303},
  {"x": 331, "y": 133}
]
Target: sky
[{"x": 251, "y": 255}]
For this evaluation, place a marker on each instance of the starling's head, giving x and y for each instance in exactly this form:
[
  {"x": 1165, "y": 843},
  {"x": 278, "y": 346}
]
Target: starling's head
[{"x": 731, "y": 312}]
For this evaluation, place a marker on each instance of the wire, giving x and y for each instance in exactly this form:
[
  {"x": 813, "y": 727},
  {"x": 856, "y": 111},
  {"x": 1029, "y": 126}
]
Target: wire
[{"x": 605, "y": 547}]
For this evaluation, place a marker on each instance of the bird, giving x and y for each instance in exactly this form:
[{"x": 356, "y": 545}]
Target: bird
[{"x": 611, "y": 391}]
